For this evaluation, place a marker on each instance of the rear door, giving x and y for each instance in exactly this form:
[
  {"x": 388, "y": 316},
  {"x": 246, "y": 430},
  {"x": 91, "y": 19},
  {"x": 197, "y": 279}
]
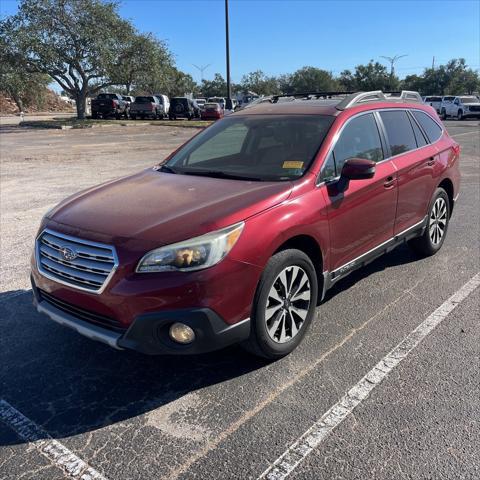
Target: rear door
[
  {"x": 414, "y": 159},
  {"x": 362, "y": 216}
]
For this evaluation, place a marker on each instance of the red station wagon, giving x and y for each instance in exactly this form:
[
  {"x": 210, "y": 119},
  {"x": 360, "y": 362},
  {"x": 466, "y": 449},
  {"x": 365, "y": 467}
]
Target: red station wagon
[{"x": 237, "y": 236}]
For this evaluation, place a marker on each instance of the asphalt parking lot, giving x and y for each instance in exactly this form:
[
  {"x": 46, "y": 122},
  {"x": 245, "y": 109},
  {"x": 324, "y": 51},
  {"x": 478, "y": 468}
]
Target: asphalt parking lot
[{"x": 65, "y": 400}]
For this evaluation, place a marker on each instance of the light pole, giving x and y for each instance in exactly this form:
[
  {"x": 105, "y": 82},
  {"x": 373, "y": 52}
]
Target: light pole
[
  {"x": 392, "y": 61},
  {"x": 201, "y": 69},
  {"x": 227, "y": 45}
]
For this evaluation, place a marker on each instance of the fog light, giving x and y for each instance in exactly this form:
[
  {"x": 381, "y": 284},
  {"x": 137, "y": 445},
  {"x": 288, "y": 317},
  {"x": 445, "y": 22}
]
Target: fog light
[{"x": 181, "y": 333}]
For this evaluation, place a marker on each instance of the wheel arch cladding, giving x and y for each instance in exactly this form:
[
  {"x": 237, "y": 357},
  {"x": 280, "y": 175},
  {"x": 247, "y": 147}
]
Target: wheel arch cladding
[
  {"x": 447, "y": 185},
  {"x": 311, "y": 248}
]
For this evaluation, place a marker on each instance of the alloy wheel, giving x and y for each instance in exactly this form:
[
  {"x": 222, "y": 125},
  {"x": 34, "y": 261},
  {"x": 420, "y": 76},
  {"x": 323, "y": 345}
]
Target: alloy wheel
[
  {"x": 288, "y": 303},
  {"x": 438, "y": 220}
]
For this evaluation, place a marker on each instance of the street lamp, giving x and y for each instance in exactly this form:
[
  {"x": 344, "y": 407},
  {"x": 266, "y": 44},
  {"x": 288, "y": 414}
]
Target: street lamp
[{"x": 227, "y": 45}]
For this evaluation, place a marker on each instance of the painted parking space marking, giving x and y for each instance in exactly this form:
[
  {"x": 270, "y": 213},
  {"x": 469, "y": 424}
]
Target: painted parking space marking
[
  {"x": 57, "y": 453},
  {"x": 319, "y": 431},
  {"x": 465, "y": 133}
]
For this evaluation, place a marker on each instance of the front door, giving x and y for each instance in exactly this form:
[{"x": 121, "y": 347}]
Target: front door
[{"x": 363, "y": 215}]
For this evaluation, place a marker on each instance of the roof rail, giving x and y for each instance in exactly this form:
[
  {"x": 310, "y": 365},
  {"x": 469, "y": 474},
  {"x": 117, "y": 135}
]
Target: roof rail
[
  {"x": 307, "y": 95},
  {"x": 378, "y": 96}
]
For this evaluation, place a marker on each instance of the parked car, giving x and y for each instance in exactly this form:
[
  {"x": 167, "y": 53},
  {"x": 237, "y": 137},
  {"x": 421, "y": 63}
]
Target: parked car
[
  {"x": 147, "y": 106},
  {"x": 464, "y": 106},
  {"x": 165, "y": 101},
  {"x": 201, "y": 102},
  {"x": 212, "y": 111},
  {"x": 183, "y": 107},
  {"x": 238, "y": 235},
  {"x": 446, "y": 100},
  {"x": 220, "y": 100},
  {"x": 435, "y": 102},
  {"x": 128, "y": 98},
  {"x": 109, "y": 105}
]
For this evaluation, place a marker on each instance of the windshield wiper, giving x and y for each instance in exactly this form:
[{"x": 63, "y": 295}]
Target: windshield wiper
[
  {"x": 167, "y": 169},
  {"x": 220, "y": 174}
]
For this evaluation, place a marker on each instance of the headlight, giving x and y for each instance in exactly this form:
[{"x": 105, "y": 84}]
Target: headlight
[{"x": 194, "y": 254}]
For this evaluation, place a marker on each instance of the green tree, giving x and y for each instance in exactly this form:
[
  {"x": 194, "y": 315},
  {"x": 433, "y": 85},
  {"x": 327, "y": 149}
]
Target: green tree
[
  {"x": 214, "y": 88},
  {"x": 311, "y": 79},
  {"x": 145, "y": 63},
  {"x": 372, "y": 76},
  {"x": 24, "y": 88},
  {"x": 78, "y": 43},
  {"x": 259, "y": 83}
]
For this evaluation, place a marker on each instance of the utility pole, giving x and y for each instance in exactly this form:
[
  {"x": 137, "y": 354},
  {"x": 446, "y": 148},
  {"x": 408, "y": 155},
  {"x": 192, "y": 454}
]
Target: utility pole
[
  {"x": 227, "y": 44},
  {"x": 433, "y": 63},
  {"x": 201, "y": 69}
]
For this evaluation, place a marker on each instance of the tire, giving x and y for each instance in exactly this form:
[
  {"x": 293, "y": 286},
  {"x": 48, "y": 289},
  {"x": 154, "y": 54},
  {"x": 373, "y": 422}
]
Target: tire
[
  {"x": 460, "y": 115},
  {"x": 117, "y": 115},
  {"x": 127, "y": 114},
  {"x": 444, "y": 114},
  {"x": 276, "y": 329},
  {"x": 436, "y": 230},
  {"x": 155, "y": 115},
  {"x": 133, "y": 117},
  {"x": 142, "y": 117},
  {"x": 94, "y": 115}
]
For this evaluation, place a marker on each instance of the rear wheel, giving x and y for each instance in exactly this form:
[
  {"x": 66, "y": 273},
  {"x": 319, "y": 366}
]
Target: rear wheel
[
  {"x": 438, "y": 217},
  {"x": 117, "y": 115},
  {"x": 284, "y": 305}
]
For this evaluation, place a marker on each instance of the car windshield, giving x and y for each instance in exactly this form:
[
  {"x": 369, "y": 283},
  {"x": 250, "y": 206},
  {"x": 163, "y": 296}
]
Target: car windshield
[
  {"x": 448, "y": 99},
  {"x": 434, "y": 99},
  {"x": 211, "y": 105},
  {"x": 144, "y": 99},
  {"x": 469, "y": 99},
  {"x": 257, "y": 147}
]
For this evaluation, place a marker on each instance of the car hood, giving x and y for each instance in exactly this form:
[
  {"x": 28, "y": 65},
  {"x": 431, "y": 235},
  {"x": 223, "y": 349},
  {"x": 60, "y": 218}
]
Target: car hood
[
  {"x": 473, "y": 104},
  {"x": 165, "y": 208}
]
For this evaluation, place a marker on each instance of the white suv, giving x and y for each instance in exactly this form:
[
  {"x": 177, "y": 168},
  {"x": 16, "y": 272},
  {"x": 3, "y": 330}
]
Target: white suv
[{"x": 461, "y": 107}]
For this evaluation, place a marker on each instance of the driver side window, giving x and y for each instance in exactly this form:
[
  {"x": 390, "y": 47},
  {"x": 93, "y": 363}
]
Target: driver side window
[{"x": 359, "y": 139}]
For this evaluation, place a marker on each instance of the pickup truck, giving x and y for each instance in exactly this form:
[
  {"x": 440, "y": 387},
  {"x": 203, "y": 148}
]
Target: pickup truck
[
  {"x": 147, "y": 106},
  {"x": 464, "y": 106},
  {"x": 434, "y": 102},
  {"x": 110, "y": 105}
]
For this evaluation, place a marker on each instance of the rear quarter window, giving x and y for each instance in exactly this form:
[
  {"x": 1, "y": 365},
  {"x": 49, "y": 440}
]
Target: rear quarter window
[{"x": 430, "y": 127}]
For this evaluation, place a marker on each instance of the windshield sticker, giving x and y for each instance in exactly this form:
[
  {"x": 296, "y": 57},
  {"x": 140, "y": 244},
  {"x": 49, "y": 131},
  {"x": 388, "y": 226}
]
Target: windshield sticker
[{"x": 292, "y": 164}]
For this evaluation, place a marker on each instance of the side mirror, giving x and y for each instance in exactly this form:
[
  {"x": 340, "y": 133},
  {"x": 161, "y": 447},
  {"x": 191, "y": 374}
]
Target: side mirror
[{"x": 358, "y": 169}]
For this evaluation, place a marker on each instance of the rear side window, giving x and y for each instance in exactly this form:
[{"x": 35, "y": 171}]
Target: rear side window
[
  {"x": 399, "y": 131},
  {"x": 430, "y": 127},
  {"x": 359, "y": 139}
]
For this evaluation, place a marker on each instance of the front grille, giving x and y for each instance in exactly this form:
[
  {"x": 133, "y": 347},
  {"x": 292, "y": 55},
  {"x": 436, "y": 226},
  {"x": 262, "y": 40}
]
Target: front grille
[
  {"x": 474, "y": 108},
  {"x": 79, "y": 263},
  {"x": 80, "y": 313}
]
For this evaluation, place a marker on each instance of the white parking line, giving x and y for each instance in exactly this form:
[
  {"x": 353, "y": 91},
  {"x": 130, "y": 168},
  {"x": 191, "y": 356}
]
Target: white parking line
[
  {"x": 57, "y": 453},
  {"x": 466, "y": 133},
  {"x": 319, "y": 431}
]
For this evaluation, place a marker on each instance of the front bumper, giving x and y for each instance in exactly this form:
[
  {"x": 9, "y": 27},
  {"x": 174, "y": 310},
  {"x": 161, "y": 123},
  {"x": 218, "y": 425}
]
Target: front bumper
[{"x": 148, "y": 333}]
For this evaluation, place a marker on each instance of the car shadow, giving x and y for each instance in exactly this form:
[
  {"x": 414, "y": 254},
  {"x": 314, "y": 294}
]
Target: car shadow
[{"x": 70, "y": 385}]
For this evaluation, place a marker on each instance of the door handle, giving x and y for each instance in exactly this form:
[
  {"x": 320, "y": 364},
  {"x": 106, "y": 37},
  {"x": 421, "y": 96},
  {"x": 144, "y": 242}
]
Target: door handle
[
  {"x": 389, "y": 182},
  {"x": 431, "y": 161}
]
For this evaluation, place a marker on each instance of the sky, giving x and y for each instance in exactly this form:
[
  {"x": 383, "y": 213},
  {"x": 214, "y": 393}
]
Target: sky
[{"x": 280, "y": 36}]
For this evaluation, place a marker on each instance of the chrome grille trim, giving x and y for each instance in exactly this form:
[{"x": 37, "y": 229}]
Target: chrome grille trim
[{"x": 90, "y": 271}]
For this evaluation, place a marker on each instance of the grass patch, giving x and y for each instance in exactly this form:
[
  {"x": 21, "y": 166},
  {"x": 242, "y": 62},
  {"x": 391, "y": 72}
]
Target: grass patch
[{"x": 69, "y": 122}]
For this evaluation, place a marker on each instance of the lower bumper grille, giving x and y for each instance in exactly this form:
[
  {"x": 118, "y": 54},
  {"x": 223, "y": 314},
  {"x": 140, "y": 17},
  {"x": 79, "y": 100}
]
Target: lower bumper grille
[{"x": 80, "y": 313}]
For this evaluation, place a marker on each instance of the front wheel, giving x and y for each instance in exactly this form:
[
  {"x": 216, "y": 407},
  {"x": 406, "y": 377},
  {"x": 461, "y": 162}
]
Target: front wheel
[
  {"x": 284, "y": 305},
  {"x": 444, "y": 114},
  {"x": 436, "y": 229},
  {"x": 460, "y": 115}
]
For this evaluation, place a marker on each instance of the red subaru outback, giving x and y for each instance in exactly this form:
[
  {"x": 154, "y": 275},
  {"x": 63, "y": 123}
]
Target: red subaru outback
[{"x": 238, "y": 235}]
